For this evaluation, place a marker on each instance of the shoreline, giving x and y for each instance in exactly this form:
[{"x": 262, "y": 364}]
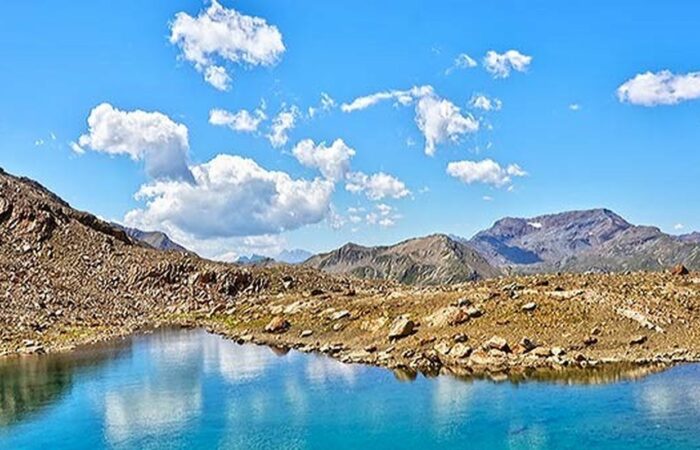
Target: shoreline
[{"x": 514, "y": 368}]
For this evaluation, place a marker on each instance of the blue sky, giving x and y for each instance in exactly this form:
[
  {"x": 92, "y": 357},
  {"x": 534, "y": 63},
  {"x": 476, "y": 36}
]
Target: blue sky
[{"x": 633, "y": 150}]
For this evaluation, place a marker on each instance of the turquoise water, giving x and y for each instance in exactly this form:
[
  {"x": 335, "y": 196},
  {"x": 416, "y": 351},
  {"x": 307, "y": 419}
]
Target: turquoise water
[{"x": 190, "y": 389}]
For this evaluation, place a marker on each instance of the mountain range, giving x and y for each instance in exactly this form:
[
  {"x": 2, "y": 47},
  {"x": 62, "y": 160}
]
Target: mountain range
[
  {"x": 580, "y": 241},
  {"x": 596, "y": 240},
  {"x": 295, "y": 256}
]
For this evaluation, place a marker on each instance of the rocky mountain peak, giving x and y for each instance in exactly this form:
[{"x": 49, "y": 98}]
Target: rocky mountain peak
[
  {"x": 515, "y": 241},
  {"x": 434, "y": 259}
]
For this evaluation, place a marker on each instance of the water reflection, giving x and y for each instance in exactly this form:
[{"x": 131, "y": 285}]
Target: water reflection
[
  {"x": 30, "y": 383},
  {"x": 323, "y": 371},
  {"x": 187, "y": 389},
  {"x": 601, "y": 374},
  {"x": 139, "y": 412},
  {"x": 155, "y": 399},
  {"x": 236, "y": 363}
]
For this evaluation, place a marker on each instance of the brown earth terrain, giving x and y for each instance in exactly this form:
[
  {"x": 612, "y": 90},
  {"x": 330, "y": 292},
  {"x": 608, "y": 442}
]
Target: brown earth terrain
[{"x": 68, "y": 278}]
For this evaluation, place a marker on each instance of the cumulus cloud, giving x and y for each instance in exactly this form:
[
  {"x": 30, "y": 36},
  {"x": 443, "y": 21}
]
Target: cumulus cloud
[
  {"x": 660, "y": 88},
  {"x": 231, "y": 196},
  {"x": 218, "y": 35},
  {"x": 151, "y": 137},
  {"x": 217, "y": 77},
  {"x": 500, "y": 65},
  {"x": 575, "y": 107},
  {"x": 281, "y": 124},
  {"x": 481, "y": 101},
  {"x": 243, "y": 120},
  {"x": 332, "y": 161},
  {"x": 437, "y": 118},
  {"x": 486, "y": 171},
  {"x": 440, "y": 120},
  {"x": 376, "y": 186}
]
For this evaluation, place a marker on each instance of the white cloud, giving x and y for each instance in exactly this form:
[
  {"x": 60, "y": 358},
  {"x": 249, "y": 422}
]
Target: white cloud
[
  {"x": 376, "y": 186},
  {"x": 149, "y": 136},
  {"x": 384, "y": 209},
  {"x": 500, "y": 65},
  {"x": 401, "y": 97},
  {"x": 462, "y": 61},
  {"x": 481, "y": 101},
  {"x": 438, "y": 119},
  {"x": 441, "y": 120},
  {"x": 575, "y": 107},
  {"x": 231, "y": 196},
  {"x": 76, "y": 148},
  {"x": 487, "y": 198},
  {"x": 39, "y": 143},
  {"x": 387, "y": 222},
  {"x": 354, "y": 219},
  {"x": 242, "y": 120},
  {"x": 332, "y": 161},
  {"x": 678, "y": 226},
  {"x": 660, "y": 88},
  {"x": 218, "y": 77},
  {"x": 327, "y": 103},
  {"x": 219, "y": 35},
  {"x": 281, "y": 124},
  {"x": 384, "y": 215},
  {"x": 486, "y": 171},
  {"x": 335, "y": 220}
]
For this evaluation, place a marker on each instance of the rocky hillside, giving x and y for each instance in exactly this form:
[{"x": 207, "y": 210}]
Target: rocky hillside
[
  {"x": 597, "y": 240},
  {"x": 62, "y": 270},
  {"x": 637, "y": 248},
  {"x": 155, "y": 239},
  {"x": 431, "y": 260}
]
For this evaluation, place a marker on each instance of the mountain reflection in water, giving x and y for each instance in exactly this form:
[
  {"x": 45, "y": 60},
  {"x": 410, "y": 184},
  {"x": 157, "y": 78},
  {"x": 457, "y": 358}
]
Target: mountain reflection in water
[
  {"x": 30, "y": 383},
  {"x": 187, "y": 388}
]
